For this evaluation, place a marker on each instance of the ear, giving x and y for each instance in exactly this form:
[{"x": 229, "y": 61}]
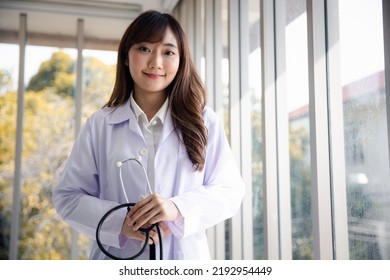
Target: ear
[{"x": 126, "y": 59}]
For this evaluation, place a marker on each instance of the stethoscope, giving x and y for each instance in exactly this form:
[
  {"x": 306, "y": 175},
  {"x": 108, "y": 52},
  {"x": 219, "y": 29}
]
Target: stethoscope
[{"x": 128, "y": 205}]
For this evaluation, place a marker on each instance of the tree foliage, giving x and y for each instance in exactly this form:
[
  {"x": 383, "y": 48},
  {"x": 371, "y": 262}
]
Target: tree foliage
[
  {"x": 48, "y": 134},
  {"x": 56, "y": 73},
  {"x": 5, "y": 81}
]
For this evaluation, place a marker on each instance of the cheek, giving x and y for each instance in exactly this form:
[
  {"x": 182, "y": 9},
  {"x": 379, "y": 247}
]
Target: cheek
[
  {"x": 134, "y": 64},
  {"x": 174, "y": 67},
  {"x": 134, "y": 60}
]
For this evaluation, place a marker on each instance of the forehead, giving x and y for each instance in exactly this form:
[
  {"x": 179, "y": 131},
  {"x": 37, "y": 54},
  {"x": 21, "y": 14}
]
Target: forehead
[{"x": 169, "y": 37}]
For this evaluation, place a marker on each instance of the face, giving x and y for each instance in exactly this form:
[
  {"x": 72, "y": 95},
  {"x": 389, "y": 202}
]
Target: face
[{"x": 153, "y": 66}]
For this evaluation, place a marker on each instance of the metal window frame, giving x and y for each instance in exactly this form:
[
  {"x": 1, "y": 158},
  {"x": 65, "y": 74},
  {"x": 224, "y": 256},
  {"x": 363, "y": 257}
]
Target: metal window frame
[
  {"x": 213, "y": 56},
  {"x": 246, "y": 241},
  {"x": 386, "y": 42},
  {"x": 16, "y": 205},
  {"x": 270, "y": 161},
  {"x": 319, "y": 132},
  {"x": 74, "y": 252},
  {"x": 336, "y": 134},
  {"x": 282, "y": 133},
  {"x": 235, "y": 113}
]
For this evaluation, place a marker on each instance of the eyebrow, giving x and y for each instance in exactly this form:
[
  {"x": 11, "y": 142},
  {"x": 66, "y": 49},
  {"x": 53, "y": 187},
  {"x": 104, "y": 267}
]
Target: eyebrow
[
  {"x": 170, "y": 45},
  {"x": 164, "y": 44}
]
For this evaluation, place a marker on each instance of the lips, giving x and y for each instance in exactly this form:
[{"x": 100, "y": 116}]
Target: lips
[{"x": 154, "y": 76}]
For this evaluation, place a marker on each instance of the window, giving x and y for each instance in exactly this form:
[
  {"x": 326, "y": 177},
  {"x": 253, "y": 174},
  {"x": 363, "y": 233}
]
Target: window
[
  {"x": 297, "y": 85},
  {"x": 49, "y": 125},
  {"x": 254, "y": 101},
  {"x": 365, "y": 128},
  {"x": 8, "y": 98},
  {"x": 239, "y": 75}
]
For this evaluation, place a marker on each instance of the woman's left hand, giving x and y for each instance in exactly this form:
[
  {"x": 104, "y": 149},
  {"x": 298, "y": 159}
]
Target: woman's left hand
[{"x": 151, "y": 210}]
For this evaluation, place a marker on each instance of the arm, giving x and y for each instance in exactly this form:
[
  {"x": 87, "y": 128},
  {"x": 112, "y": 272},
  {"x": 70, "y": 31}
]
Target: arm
[{"x": 77, "y": 195}]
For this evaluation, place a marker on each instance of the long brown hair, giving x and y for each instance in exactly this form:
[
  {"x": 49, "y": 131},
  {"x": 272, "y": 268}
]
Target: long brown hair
[{"x": 187, "y": 94}]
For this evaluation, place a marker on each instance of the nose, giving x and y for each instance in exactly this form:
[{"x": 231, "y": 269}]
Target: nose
[{"x": 155, "y": 61}]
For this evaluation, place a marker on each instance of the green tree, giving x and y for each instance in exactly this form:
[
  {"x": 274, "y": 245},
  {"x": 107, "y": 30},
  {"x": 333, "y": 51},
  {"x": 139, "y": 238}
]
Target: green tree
[
  {"x": 5, "y": 81},
  {"x": 300, "y": 193},
  {"x": 57, "y": 73},
  {"x": 99, "y": 81},
  {"x": 48, "y": 135}
]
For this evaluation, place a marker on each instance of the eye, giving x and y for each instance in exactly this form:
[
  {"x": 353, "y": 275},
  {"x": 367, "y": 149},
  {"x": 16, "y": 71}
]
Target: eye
[
  {"x": 169, "y": 53},
  {"x": 143, "y": 49}
]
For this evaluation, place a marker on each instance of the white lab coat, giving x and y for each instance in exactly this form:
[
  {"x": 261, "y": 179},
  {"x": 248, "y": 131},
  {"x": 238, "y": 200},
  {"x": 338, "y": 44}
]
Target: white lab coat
[{"x": 90, "y": 183}]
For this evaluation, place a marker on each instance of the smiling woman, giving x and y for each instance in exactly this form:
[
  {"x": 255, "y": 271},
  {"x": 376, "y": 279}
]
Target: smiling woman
[
  {"x": 157, "y": 113},
  {"x": 153, "y": 66}
]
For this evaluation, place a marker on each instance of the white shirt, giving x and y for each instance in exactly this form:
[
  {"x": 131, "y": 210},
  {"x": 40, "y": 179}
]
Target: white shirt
[{"x": 151, "y": 131}]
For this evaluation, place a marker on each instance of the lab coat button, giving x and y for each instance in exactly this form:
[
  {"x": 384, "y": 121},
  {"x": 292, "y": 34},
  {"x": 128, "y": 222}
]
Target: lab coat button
[{"x": 143, "y": 152}]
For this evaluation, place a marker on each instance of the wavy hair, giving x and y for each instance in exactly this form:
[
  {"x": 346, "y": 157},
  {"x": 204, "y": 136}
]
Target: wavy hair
[{"x": 187, "y": 94}]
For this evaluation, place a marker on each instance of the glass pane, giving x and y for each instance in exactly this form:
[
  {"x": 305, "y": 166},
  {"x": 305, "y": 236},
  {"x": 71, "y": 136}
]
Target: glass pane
[
  {"x": 254, "y": 81},
  {"x": 8, "y": 102},
  {"x": 48, "y": 126},
  {"x": 298, "y": 108},
  {"x": 99, "y": 77},
  {"x": 225, "y": 66},
  {"x": 365, "y": 128}
]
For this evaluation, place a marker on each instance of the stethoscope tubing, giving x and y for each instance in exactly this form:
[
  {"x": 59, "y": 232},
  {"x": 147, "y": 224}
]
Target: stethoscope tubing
[{"x": 144, "y": 230}]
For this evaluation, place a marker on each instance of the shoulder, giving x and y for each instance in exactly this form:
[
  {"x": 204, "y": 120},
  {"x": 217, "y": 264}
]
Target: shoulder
[
  {"x": 210, "y": 117},
  {"x": 112, "y": 115},
  {"x": 100, "y": 117},
  {"x": 102, "y": 114},
  {"x": 213, "y": 123}
]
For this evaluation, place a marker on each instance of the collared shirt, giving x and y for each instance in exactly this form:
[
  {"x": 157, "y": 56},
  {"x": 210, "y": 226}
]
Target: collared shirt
[{"x": 151, "y": 131}]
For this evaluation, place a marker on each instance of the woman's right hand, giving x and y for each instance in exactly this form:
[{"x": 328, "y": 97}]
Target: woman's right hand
[{"x": 128, "y": 232}]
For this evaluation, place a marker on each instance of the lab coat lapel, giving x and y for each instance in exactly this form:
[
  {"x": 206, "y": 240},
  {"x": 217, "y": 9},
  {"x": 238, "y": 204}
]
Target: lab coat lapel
[
  {"x": 124, "y": 113},
  {"x": 167, "y": 128},
  {"x": 166, "y": 160}
]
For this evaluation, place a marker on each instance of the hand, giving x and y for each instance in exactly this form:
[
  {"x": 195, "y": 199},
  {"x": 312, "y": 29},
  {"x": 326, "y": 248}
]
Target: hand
[
  {"x": 153, "y": 235},
  {"x": 151, "y": 210},
  {"x": 130, "y": 233}
]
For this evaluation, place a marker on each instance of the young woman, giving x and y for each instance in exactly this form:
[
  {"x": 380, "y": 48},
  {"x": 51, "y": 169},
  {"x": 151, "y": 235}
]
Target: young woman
[{"x": 157, "y": 115}]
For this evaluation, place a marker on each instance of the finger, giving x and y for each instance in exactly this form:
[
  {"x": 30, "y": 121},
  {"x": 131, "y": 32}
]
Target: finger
[
  {"x": 164, "y": 230},
  {"x": 154, "y": 236},
  {"x": 136, "y": 216},
  {"x": 145, "y": 213},
  {"x": 136, "y": 207},
  {"x": 137, "y": 235},
  {"x": 140, "y": 209},
  {"x": 149, "y": 218}
]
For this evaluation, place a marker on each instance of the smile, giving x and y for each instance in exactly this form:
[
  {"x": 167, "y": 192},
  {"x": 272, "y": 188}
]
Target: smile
[{"x": 154, "y": 76}]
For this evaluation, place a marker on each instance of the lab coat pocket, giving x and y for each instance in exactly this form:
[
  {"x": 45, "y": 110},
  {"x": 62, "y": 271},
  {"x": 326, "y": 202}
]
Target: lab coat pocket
[{"x": 193, "y": 247}]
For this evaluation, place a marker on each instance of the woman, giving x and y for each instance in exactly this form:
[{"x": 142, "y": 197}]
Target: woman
[{"x": 157, "y": 114}]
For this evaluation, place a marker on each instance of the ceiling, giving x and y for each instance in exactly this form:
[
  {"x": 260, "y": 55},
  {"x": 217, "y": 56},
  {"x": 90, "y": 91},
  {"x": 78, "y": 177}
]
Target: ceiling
[{"x": 104, "y": 20}]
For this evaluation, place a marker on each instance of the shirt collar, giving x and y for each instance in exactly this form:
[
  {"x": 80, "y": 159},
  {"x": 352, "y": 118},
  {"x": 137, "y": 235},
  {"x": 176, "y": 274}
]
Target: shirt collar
[{"x": 161, "y": 114}]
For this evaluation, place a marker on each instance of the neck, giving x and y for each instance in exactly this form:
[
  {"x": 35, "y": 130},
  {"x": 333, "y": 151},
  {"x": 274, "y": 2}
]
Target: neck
[{"x": 150, "y": 103}]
